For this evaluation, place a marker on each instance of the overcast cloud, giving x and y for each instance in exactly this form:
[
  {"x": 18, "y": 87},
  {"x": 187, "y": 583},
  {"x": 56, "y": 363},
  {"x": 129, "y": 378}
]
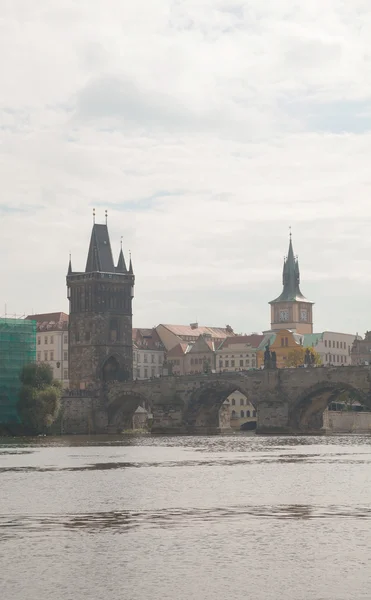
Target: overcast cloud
[{"x": 206, "y": 128}]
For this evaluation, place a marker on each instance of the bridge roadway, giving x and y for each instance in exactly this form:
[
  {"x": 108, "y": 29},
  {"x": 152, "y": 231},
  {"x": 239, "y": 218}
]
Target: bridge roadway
[{"x": 287, "y": 400}]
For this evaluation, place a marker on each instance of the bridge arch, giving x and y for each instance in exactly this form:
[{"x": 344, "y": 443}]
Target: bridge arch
[
  {"x": 306, "y": 413},
  {"x": 121, "y": 407},
  {"x": 205, "y": 402}
]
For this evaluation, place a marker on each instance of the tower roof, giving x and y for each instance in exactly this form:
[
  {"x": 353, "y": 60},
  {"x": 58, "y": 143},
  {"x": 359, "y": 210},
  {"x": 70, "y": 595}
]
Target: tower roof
[
  {"x": 121, "y": 265},
  {"x": 291, "y": 280},
  {"x": 100, "y": 254}
]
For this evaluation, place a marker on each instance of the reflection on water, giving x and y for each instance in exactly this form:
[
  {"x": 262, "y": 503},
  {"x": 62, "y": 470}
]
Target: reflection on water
[{"x": 200, "y": 517}]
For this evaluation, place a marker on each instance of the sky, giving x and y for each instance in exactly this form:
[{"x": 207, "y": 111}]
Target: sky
[{"x": 206, "y": 128}]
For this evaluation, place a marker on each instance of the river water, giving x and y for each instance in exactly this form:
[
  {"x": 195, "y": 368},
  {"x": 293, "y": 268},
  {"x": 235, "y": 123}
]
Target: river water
[{"x": 179, "y": 518}]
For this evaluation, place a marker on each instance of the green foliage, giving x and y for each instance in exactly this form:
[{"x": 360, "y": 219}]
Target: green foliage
[
  {"x": 295, "y": 357},
  {"x": 37, "y": 375},
  {"x": 39, "y": 397}
]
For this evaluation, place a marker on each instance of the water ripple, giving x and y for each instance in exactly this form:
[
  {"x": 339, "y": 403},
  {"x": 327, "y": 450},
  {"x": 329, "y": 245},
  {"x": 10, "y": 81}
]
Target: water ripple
[{"x": 123, "y": 521}]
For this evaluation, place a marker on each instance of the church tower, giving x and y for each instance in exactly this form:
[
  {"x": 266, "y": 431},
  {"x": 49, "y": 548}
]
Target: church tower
[
  {"x": 291, "y": 310},
  {"x": 100, "y": 323}
]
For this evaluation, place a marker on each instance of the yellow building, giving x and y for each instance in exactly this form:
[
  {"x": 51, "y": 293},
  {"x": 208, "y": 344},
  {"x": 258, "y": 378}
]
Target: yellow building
[
  {"x": 281, "y": 342},
  {"x": 291, "y": 309}
]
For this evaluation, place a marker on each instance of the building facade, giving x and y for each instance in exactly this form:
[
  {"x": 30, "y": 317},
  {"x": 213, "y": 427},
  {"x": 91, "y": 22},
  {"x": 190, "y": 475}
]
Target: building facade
[
  {"x": 242, "y": 413},
  {"x": 239, "y": 353},
  {"x": 148, "y": 354},
  {"x": 52, "y": 343},
  {"x": 100, "y": 321},
  {"x": 291, "y": 310},
  {"x": 361, "y": 350},
  {"x": 334, "y": 348}
]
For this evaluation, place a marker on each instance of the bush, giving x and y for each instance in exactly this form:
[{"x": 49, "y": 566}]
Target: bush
[{"x": 39, "y": 397}]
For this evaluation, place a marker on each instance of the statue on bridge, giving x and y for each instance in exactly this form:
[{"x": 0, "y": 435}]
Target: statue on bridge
[
  {"x": 309, "y": 359},
  {"x": 270, "y": 358}
]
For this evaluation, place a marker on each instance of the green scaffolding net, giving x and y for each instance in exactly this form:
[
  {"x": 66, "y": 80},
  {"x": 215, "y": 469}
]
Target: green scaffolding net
[{"x": 17, "y": 348}]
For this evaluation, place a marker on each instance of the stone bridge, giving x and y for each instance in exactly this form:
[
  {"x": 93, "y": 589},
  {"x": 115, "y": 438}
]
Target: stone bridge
[{"x": 287, "y": 400}]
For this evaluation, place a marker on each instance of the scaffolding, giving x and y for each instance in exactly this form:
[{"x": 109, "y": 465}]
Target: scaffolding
[{"x": 17, "y": 348}]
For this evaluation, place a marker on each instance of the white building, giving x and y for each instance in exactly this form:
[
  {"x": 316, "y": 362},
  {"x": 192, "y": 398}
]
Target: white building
[
  {"x": 238, "y": 353},
  {"x": 242, "y": 414},
  {"x": 52, "y": 343},
  {"x": 333, "y": 347},
  {"x": 148, "y": 354}
]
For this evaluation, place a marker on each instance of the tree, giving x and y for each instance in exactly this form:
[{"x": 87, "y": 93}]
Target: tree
[
  {"x": 39, "y": 397},
  {"x": 295, "y": 357}
]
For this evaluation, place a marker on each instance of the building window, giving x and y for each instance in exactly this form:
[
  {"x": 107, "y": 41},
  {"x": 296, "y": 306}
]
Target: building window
[
  {"x": 65, "y": 340},
  {"x": 233, "y": 402},
  {"x": 51, "y": 355},
  {"x": 233, "y": 413},
  {"x": 253, "y": 363},
  {"x": 152, "y": 358},
  {"x": 65, "y": 355},
  {"x": 232, "y": 363},
  {"x": 227, "y": 363},
  {"x": 145, "y": 373},
  {"x": 247, "y": 413},
  {"x": 39, "y": 356},
  {"x": 241, "y": 363},
  {"x": 220, "y": 364},
  {"x": 46, "y": 339},
  {"x": 342, "y": 358},
  {"x": 38, "y": 341},
  {"x": 65, "y": 374},
  {"x": 45, "y": 355},
  {"x": 325, "y": 343},
  {"x": 345, "y": 359},
  {"x": 247, "y": 362},
  {"x": 282, "y": 342},
  {"x": 145, "y": 358},
  {"x": 286, "y": 342},
  {"x": 52, "y": 339},
  {"x": 337, "y": 344},
  {"x": 242, "y": 413},
  {"x": 242, "y": 402},
  {"x": 153, "y": 371}
]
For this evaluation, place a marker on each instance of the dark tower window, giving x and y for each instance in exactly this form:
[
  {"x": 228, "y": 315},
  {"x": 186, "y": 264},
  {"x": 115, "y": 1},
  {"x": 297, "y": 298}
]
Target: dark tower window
[
  {"x": 111, "y": 370},
  {"x": 113, "y": 330}
]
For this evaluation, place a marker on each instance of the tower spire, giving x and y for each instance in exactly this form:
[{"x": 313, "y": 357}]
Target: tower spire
[
  {"x": 121, "y": 265},
  {"x": 130, "y": 264},
  {"x": 69, "y": 266}
]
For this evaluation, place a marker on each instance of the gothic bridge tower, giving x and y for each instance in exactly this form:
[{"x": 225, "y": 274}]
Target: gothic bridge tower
[
  {"x": 100, "y": 323},
  {"x": 291, "y": 310}
]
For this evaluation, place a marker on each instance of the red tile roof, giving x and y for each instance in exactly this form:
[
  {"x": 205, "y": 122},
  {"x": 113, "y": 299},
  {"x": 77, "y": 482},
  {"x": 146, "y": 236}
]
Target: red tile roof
[
  {"x": 253, "y": 340},
  {"x": 147, "y": 339},
  {"x": 178, "y": 350},
  {"x": 187, "y": 330},
  {"x": 56, "y": 317}
]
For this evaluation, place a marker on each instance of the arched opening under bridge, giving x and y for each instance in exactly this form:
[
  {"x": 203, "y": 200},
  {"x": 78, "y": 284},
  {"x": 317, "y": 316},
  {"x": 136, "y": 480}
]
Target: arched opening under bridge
[
  {"x": 219, "y": 407},
  {"x": 307, "y": 413}
]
